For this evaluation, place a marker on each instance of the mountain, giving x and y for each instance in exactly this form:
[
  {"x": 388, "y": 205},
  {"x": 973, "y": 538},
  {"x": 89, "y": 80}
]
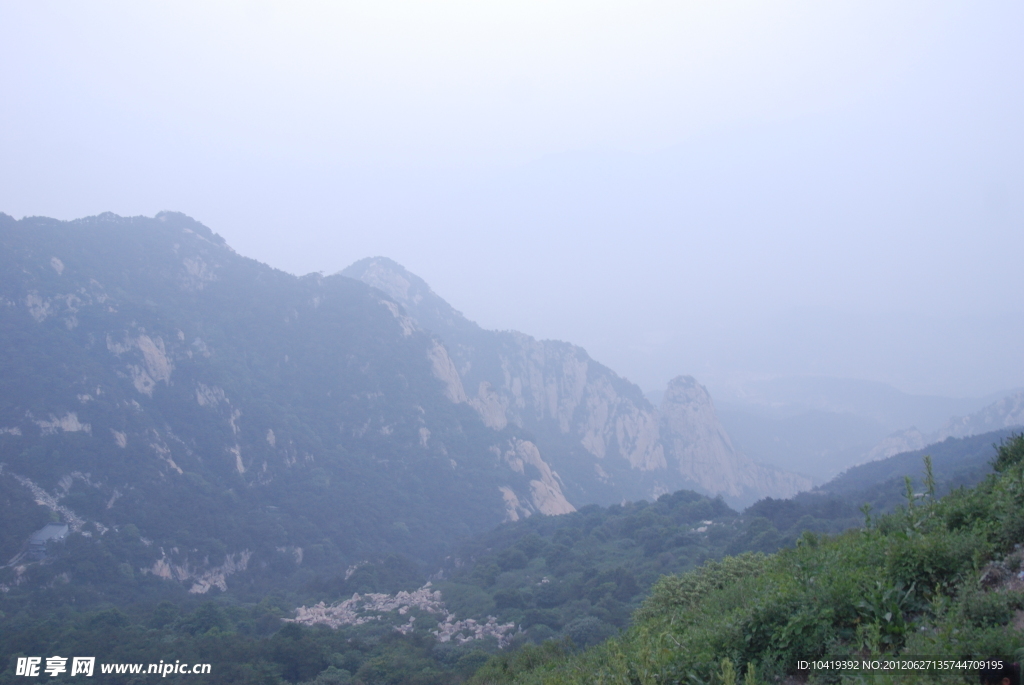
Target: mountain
[
  {"x": 598, "y": 430},
  {"x": 760, "y": 615},
  {"x": 206, "y": 419},
  {"x": 955, "y": 462},
  {"x": 879, "y": 402},
  {"x": 1004, "y": 413},
  {"x": 705, "y": 454},
  {"x": 820, "y": 425}
]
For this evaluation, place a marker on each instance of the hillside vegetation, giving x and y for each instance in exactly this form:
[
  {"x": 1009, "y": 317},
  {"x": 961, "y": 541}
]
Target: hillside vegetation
[
  {"x": 577, "y": 577},
  {"x": 938, "y": 577},
  {"x": 582, "y": 575},
  {"x": 195, "y": 415}
]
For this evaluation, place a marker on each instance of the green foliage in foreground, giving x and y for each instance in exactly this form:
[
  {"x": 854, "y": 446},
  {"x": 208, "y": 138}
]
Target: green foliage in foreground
[
  {"x": 939, "y": 577},
  {"x": 580, "y": 576}
]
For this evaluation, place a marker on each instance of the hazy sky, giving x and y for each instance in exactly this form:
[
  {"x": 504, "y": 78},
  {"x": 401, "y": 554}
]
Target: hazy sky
[{"x": 728, "y": 189}]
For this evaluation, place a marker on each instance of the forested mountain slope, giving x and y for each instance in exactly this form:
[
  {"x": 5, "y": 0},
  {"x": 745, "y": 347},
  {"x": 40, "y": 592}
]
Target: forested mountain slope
[
  {"x": 956, "y": 462},
  {"x": 209, "y": 421}
]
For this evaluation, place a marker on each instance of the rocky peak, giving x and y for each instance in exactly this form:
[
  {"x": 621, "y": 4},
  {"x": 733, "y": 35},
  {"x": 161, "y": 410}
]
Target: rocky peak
[
  {"x": 688, "y": 408},
  {"x": 147, "y": 355},
  {"x": 595, "y": 427},
  {"x": 430, "y": 310},
  {"x": 700, "y": 448}
]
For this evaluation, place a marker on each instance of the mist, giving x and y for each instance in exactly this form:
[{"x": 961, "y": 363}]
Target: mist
[{"x": 736, "y": 192}]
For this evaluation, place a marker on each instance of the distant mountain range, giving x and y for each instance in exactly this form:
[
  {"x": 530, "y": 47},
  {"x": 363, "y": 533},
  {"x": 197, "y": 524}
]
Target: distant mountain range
[
  {"x": 1005, "y": 413},
  {"x": 820, "y": 426},
  {"x": 208, "y": 420},
  {"x": 956, "y": 461}
]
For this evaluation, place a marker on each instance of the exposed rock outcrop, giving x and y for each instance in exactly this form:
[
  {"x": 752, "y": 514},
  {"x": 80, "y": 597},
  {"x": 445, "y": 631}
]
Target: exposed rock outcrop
[
  {"x": 702, "y": 452},
  {"x": 593, "y": 426},
  {"x": 360, "y": 609},
  {"x": 444, "y": 371},
  {"x": 545, "y": 485},
  {"x": 204, "y": 579}
]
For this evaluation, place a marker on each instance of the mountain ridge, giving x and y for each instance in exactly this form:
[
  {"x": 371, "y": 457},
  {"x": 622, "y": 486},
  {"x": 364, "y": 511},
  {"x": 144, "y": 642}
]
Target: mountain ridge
[
  {"x": 203, "y": 420},
  {"x": 238, "y": 418},
  {"x": 575, "y": 405},
  {"x": 1006, "y": 412}
]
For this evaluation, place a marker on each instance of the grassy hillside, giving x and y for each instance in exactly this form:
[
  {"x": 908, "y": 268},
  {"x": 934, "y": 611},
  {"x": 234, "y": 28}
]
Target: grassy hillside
[{"x": 938, "y": 577}]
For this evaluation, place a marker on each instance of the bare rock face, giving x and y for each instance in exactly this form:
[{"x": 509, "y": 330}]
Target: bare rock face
[
  {"x": 544, "y": 492},
  {"x": 555, "y": 383},
  {"x": 699, "y": 446},
  {"x": 700, "y": 450},
  {"x": 444, "y": 371},
  {"x": 596, "y": 428}
]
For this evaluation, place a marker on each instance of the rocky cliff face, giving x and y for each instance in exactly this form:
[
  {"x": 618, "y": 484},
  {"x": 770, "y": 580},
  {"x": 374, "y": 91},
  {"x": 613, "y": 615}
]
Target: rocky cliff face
[
  {"x": 702, "y": 452},
  {"x": 596, "y": 428}
]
